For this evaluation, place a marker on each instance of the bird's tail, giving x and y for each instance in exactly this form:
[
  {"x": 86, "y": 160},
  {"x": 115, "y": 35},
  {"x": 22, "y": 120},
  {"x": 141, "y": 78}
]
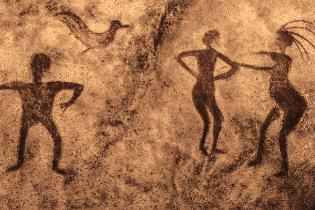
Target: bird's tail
[
  {"x": 73, "y": 21},
  {"x": 53, "y": 7},
  {"x": 65, "y": 15}
]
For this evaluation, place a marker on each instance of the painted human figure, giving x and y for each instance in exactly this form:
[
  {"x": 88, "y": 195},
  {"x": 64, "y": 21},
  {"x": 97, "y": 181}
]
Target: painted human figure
[
  {"x": 37, "y": 103},
  {"x": 287, "y": 98},
  {"x": 203, "y": 93}
]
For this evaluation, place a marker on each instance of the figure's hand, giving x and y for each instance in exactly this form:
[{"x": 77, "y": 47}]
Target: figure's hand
[
  {"x": 237, "y": 64},
  {"x": 65, "y": 106},
  {"x": 241, "y": 65}
]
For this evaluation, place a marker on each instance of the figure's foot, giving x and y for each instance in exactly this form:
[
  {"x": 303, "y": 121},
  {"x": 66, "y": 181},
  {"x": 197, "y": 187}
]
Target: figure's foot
[
  {"x": 15, "y": 167},
  {"x": 255, "y": 162},
  {"x": 218, "y": 151},
  {"x": 60, "y": 171},
  {"x": 214, "y": 152},
  {"x": 69, "y": 175},
  {"x": 281, "y": 173},
  {"x": 69, "y": 178},
  {"x": 203, "y": 150},
  {"x": 212, "y": 156}
]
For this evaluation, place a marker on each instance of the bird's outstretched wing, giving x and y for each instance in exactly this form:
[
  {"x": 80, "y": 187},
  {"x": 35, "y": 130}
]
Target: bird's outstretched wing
[{"x": 79, "y": 29}]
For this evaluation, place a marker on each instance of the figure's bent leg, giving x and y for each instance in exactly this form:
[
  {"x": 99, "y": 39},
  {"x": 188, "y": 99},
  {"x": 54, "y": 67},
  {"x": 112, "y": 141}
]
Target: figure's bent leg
[
  {"x": 200, "y": 106},
  {"x": 52, "y": 128},
  {"x": 21, "y": 147},
  {"x": 284, "y": 153},
  {"x": 291, "y": 119},
  {"x": 272, "y": 116},
  {"x": 217, "y": 124}
]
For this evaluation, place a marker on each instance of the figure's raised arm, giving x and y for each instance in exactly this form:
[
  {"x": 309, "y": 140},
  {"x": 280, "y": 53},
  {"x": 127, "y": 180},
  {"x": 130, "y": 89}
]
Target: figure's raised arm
[
  {"x": 183, "y": 64},
  {"x": 233, "y": 69}
]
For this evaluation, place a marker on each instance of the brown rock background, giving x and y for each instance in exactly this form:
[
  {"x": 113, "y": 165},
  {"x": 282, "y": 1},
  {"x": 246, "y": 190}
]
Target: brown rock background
[{"x": 132, "y": 137}]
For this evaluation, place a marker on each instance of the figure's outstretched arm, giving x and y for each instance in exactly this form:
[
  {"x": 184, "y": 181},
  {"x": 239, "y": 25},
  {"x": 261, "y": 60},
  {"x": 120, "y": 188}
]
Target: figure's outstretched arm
[
  {"x": 11, "y": 86},
  {"x": 183, "y": 64},
  {"x": 233, "y": 69},
  {"x": 259, "y": 68},
  {"x": 264, "y": 53}
]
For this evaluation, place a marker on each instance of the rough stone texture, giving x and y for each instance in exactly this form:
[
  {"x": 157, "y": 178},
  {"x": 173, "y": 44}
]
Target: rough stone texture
[{"x": 132, "y": 137}]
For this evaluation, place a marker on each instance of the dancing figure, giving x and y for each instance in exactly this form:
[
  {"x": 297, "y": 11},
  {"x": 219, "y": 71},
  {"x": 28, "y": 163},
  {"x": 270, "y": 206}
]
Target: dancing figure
[
  {"x": 287, "y": 98},
  {"x": 203, "y": 93},
  {"x": 37, "y": 103}
]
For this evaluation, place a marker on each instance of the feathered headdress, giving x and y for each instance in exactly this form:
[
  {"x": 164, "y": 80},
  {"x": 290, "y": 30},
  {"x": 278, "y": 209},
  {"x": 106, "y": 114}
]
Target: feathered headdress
[{"x": 288, "y": 30}]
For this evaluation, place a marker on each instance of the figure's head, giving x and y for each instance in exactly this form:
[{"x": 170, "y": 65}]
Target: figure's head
[
  {"x": 210, "y": 36},
  {"x": 40, "y": 64},
  {"x": 116, "y": 24},
  {"x": 284, "y": 39}
]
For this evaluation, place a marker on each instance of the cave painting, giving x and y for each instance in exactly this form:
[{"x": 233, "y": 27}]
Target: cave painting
[
  {"x": 287, "y": 98},
  {"x": 81, "y": 31},
  {"x": 37, "y": 104},
  {"x": 203, "y": 93}
]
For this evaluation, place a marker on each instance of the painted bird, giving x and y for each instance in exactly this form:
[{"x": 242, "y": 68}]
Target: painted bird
[{"x": 87, "y": 37}]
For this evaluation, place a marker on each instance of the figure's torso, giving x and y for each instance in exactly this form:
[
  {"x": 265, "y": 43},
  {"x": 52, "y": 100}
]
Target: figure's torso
[
  {"x": 37, "y": 101},
  {"x": 279, "y": 78},
  {"x": 206, "y": 60},
  {"x": 281, "y": 68}
]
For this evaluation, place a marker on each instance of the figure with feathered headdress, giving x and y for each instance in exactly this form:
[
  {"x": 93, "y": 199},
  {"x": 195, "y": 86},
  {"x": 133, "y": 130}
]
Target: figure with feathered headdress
[{"x": 287, "y": 98}]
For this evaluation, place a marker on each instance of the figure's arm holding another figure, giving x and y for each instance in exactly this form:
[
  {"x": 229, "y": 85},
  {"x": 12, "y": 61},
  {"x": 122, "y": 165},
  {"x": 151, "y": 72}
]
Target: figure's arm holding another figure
[
  {"x": 259, "y": 68},
  {"x": 233, "y": 69},
  {"x": 183, "y": 64},
  {"x": 264, "y": 53}
]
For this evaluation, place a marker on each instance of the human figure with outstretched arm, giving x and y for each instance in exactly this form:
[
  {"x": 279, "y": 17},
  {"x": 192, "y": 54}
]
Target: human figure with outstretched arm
[
  {"x": 37, "y": 103},
  {"x": 203, "y": 93},
  {"x": 287, "y": 98}
]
